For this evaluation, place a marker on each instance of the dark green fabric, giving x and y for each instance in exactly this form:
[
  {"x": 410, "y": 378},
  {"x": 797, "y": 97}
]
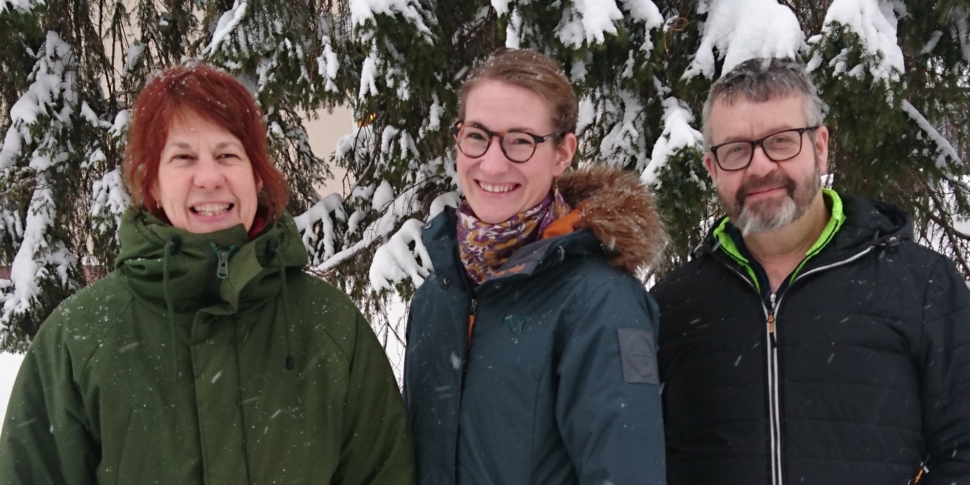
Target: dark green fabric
[{"x": 96, "y": 400}]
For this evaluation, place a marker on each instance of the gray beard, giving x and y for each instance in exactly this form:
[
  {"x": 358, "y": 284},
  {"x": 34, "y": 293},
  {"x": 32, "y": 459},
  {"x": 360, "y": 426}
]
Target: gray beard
[{"x": 771, "y": 215}]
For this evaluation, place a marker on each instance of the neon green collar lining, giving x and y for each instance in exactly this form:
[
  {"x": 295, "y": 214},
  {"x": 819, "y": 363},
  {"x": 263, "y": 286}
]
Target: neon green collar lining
[{"x": 729, "y": 246}]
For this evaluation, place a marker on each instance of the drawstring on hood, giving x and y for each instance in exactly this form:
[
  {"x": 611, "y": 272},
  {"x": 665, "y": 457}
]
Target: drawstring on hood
[
  {"x": 171, "y": 247},
  {"x": 271, "y": 250}
]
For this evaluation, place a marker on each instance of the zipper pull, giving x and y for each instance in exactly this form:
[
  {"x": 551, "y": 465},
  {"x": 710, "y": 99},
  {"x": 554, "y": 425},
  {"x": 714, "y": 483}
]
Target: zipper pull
[
  {"x": 771, "y": 320},
  {"x": 471, "y": 323},
  {"x": 919, "y": 476},
  {"x": 222, "y": 268}
]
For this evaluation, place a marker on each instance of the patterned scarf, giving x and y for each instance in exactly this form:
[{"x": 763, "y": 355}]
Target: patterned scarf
[{"x": 484, "y": 248}]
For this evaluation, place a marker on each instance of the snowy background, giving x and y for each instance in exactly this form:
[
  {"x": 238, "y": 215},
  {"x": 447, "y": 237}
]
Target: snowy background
[{"x": 9, "y": 364}]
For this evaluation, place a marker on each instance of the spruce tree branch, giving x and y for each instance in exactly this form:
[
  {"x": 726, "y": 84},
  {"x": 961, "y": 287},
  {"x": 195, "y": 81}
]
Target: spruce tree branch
[{"x": 952, "y": 234}]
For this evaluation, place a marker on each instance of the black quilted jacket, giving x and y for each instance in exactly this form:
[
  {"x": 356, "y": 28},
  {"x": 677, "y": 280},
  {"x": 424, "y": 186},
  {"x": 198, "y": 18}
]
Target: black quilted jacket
[{"x": 864, "y": 378}]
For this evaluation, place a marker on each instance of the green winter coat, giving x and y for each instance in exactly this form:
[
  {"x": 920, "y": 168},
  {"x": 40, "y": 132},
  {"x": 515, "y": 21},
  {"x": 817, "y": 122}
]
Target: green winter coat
[{"x": 104, "y": 397}]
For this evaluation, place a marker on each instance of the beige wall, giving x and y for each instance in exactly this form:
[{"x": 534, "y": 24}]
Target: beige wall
[{"x": 324, "y": 132}]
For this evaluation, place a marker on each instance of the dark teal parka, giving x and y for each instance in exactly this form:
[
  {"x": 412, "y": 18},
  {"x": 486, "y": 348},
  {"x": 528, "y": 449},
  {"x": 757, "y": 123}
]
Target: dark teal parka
[{"x": 559, "y": 385}]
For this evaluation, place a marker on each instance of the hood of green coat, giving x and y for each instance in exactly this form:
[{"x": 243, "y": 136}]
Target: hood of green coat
[{"x": 253, "y": 269}]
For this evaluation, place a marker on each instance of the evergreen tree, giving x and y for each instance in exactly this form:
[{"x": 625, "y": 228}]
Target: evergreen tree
[{"x": 894, "y": 76}]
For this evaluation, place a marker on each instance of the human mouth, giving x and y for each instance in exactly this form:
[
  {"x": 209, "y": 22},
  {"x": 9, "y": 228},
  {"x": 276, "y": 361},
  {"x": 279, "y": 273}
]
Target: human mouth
[
  {"x": 211, "y": 210},
  {"x": 497, "y": 188}
]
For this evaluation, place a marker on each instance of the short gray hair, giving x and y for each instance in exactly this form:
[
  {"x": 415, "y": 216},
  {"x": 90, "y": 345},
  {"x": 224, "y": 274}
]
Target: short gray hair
[{"x": 765, "y": 79}]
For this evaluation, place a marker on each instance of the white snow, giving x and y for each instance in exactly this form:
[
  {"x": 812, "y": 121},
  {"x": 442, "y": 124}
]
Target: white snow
[
  {"x": 403, "y": 205},
  {"x": 383, "y": 196},
  {"x": 394, "y": 260},
  {"x": 134, "y": 53},
  {"x": 513, "y": 32},
  {"x": 677, "y": 135},
  {"x": 367, "y": 73},
  {"x": 447, "y": 199},
  {"x": 588, "y": 21},
  {"x": 647, "y": 12},
  {"x": 501, "y": 6},
  {"x": 943, "y": 147},
  {"x": 227, "y": 23},
  {"x": 120, "y": 126},
  {"x": 110, "y": 199},
  {"x": 328, "y": 65},
  {"x": 624, "y": 138},
  {"x": 9, "y": 365},
  {"x": 51, "y": 82},
  {"x": 22, "y": 6},
  {"x": 320, "y": 212},
  {"x": 363, "y": 10},
  {"x": 874, "y": 21},
  {"x": 738, "y": 30},
  {"x": 586, "y": 114}
]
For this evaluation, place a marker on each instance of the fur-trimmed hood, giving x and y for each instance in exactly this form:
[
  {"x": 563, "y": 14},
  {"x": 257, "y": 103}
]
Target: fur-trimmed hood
[{"x": 620, "y": 211}]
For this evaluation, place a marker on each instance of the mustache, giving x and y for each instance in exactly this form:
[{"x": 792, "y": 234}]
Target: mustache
[{"x": 755, "y": 184}]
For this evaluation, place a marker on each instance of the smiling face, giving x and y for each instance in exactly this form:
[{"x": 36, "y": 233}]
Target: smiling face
[
  {"x": 205, "y": 181},
  {"x": 766, "y": 195},
  {"x": 495, "y": 187}
]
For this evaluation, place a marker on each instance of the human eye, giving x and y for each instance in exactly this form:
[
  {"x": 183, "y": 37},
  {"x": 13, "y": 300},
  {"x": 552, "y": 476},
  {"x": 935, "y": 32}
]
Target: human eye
[
  {"x": 782, "y": 139},
  {"x": 521, "y": 139},
  {"x": 181, "y": 157},
  {"x": 473, "y": 134}
]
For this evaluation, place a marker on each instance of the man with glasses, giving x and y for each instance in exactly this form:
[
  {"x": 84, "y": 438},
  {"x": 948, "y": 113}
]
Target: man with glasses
[{"x": 809, "y": 340}]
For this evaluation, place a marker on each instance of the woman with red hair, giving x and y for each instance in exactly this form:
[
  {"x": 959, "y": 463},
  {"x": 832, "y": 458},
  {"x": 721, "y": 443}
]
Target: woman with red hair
[{"x": 207, "y": 355}]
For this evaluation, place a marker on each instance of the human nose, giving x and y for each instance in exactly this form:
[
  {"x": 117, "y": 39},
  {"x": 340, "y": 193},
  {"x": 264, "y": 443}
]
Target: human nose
[
  {"x": 494, "y": 160},
  {"x": 208, "y": 172},
  {"x": 760, "y": 163}
]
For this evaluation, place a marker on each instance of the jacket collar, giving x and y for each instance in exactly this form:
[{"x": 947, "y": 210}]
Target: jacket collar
[
  {"x": 253, "y": 269},
  {"x": 855, "y": 224},
  {"x": 616, "y": 217}
]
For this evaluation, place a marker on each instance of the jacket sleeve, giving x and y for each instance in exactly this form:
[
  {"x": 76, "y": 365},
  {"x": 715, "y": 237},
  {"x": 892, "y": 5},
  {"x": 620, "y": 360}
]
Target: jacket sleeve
[
  {"x": 608, "y": 403},
  {"x": 377, "y": 447},
  {"x": 46, "y": 436},
  {"x": 945, "y": 372}
]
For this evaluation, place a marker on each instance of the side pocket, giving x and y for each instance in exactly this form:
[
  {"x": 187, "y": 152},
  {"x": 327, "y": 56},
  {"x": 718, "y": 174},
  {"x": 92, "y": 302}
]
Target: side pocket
[{"x": 136, "y": 444}]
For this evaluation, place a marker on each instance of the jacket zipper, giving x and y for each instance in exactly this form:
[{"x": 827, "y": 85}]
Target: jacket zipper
[
  {"x": 471, "y": 323},
  {"x": 774, "y": 406},
  {"x": 774, "y": 401}
]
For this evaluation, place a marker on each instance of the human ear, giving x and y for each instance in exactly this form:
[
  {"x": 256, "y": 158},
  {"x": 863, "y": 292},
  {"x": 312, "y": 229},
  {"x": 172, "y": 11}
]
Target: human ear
[
  {"x": 565, "y": 152},
  {"x": 821, "y": 147},
  {"x": 710, "y": 165}
]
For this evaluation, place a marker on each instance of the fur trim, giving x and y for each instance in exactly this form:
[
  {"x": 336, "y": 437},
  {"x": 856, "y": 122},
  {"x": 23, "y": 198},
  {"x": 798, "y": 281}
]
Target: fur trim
[{"x": 620, "y": 211}]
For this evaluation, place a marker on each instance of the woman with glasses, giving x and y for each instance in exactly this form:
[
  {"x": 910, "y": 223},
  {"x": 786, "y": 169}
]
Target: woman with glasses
[{"x": 531, "y": 348}]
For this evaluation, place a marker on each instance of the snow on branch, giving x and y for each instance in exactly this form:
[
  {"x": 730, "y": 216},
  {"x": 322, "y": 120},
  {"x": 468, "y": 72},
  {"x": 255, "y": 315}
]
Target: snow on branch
[
  {"x": 51, "y": 83},
  {"x": 109, "y": 200},
  {"x": 874, "y": 21},
  {"x": 227, "y": 23},
  {"x": 647, "y": 12},
  {"x": 363, "y": 10},
  {"x": 320, "y": 212},
  {"x": 943, "y": 147},
  {"x": 738, "y": 30},
  {"x": 395, "y": 260},
  {"x": 37, "y": 256},
  {"x": 625, "y": 138},
  {"x": 22, "y": 6},
  {"x": 403, "y": 205},
  {"x": 678, "y": 134},
  {"x": 588, "y": 21}
]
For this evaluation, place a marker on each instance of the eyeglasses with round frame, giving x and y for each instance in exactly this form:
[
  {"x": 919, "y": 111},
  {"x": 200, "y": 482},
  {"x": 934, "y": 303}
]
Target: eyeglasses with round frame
[
  {"x": 779, "y": 146},
  {"x": 518, "y": 146}
]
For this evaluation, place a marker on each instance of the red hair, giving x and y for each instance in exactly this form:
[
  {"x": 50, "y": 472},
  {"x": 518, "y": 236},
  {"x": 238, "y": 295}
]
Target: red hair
[{"x": 213, "y": 95}]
